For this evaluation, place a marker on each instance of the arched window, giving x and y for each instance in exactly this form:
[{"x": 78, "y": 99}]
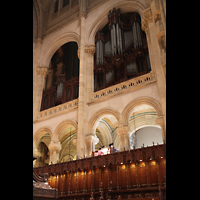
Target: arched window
[
  {"x": 62, "y": 80},
  {"x": 121, "y": 50}
]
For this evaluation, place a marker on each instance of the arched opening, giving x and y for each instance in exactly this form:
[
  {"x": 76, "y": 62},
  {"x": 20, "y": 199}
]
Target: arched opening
[
  {"x": 43, "y": 143},
  {"x": 62, "y": 81},
  {"x": 106, "y": 131},
  {"x": 68, "y": 143},
  {"x": 143, "y": 129},
  {"x": 121, "y": 50}
]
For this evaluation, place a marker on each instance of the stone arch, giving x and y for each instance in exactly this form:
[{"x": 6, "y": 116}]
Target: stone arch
[
  {"x": 63, "y": 125},
  {"x": 39, "y": 133},
  {"x": 141, "y": 100},
  {"x": 97, "y": 116},
  {"x": 58, "y": 42},
  {"x": 102, "y": 20}
]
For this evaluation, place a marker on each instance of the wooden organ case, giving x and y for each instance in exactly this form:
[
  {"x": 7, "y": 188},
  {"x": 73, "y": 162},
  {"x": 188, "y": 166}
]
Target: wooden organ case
[
  {"x": 121, "y": 50},
  {"x": 135, "y": 174}
]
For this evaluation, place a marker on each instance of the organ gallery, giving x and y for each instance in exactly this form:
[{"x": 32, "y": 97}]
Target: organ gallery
[{"x": 99, "y": 99}]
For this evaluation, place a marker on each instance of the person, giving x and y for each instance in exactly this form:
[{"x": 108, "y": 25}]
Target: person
[{"x": 100, "y": 152}]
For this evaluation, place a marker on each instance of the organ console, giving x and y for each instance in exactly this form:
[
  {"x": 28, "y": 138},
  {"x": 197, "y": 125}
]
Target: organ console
[{"x": 138, "y": 173}]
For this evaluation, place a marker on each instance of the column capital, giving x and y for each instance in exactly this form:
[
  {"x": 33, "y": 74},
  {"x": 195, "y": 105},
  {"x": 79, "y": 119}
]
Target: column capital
[
  {"x": 147, "y": 13},
  {"x": 122, "y": 129},
  {"x": 42, "y": 70},
  {"x": 90, "y": 49},
  {"x": 91, "y": 138},
  {"x": 54, "y": 146}
]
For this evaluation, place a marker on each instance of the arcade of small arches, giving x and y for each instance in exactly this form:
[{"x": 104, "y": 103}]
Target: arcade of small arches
[{"x": 60, "y": 145}]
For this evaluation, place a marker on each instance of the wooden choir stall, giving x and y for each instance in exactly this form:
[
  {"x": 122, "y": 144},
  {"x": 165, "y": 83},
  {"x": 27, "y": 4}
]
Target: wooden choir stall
[{"x": 135, "y": 174}]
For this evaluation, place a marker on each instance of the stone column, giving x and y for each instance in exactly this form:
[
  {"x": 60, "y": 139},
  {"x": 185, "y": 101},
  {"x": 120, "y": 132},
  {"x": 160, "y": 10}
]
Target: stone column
[
  {"x": 82, "y": 89},
  {"x": 54, "y": 150},
  {"x": 36, "y": 153},
  {"x": 41, "y": 75},
  {"x": 123, "y": 132},
  {"x": 90, "y": 50},
  {"x": 90, "y": 144},
  {"x": 156, "y": 46}
]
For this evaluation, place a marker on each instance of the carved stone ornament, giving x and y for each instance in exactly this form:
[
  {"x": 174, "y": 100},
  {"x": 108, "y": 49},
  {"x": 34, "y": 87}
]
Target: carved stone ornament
[
  {"x": 156, "y": 15},
  {"x": 147, "y": 13},
  {"x": 161, "y": 39},
  {"x": 42, "y": 70},
  {"x": 90, "y": 49}
]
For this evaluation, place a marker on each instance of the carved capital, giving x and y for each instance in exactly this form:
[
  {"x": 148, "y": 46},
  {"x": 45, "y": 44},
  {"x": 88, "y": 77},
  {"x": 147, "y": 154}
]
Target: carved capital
[
  {"x": 161, "y": 39},
  {"x": 90, "y": 49},
  {"x": 156, "y": 15},
  {"x": 42, "y": 70},
  {"x": 82, "y": 14},
  {"x": 147, "y": 13}
]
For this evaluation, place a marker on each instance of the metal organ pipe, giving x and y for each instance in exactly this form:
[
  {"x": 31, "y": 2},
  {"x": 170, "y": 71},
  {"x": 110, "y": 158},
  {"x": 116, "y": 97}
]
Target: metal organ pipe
[
  {"x": 134, "y": 35},
  {"x": 97, "y": 52},
  {"x": 117, "y": 31},
  {"x": 120, "y": 40},
  {"x": 101, "y": 52},
  {"x": 112, "y": 43},
  {"x": 139, "y": 34},
  {"x": 114, "y": 39}
]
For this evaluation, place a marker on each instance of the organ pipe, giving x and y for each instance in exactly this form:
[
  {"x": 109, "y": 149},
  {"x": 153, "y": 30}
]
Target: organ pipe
[
  {"x": 137, "y": 35},
  {"x": 97, "y": 52},
  {"x": 112, "y": 44},
  {"x": 120, "y": 40},
  {"x": 117, "y": 31},
  {"x": 101, "y": 52},
  {"x": 114, "y": 39}
]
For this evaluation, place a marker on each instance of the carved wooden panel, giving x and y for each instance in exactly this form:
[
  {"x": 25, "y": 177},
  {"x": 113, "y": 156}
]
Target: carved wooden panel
[
  {"x": 152, "y": 173},
  {"x": 142, "y": 179},
  {"x": 122, "y": 176},
  {"x": 132, "y": 173}
]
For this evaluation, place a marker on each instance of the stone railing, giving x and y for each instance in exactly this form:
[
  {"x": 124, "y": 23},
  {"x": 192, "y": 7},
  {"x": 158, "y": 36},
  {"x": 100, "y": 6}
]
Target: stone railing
[
  {"x": 135, "y": 83},
  {"x": 58, "y": 109}
]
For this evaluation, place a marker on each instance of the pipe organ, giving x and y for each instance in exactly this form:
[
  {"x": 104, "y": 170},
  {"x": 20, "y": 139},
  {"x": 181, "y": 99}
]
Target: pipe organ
[
  {"x": 120, "y": 45},
  {"x": 138, "y": 173}
]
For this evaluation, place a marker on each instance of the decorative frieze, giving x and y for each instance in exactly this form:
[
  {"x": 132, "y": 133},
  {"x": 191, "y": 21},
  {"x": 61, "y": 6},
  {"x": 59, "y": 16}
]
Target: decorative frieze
[
  {"x": 134, "y": 83},
  {"x": 58, "y": 109}
]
